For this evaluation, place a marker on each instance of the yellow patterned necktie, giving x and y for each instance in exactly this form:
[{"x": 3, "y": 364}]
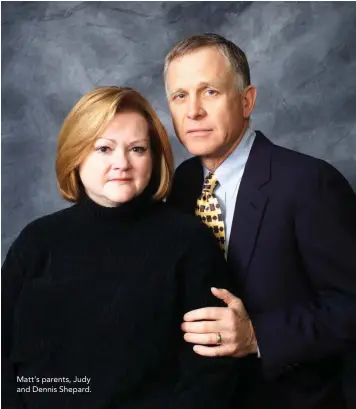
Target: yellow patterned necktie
[{"x": 208, "y": 209}]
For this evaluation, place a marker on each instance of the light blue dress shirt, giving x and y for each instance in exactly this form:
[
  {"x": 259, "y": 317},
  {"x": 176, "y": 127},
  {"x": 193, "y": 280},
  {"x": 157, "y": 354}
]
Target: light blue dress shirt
[{"x": 229, "y": 175}]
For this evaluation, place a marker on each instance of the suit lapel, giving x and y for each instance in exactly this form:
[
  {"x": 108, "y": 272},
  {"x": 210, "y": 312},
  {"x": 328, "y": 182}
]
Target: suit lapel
[{"x": 250, "y": 205}]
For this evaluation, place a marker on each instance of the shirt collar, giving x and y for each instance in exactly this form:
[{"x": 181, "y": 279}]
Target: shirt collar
[{"x": 234, "y": 164}]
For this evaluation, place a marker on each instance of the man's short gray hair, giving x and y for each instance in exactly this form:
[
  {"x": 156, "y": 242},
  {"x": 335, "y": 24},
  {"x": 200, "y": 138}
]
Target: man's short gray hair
[{"x": 235, "y": 56}]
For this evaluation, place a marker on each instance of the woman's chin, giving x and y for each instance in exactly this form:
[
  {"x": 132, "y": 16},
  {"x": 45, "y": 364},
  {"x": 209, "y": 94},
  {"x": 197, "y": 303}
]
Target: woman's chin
[{"x": 120, "y": 198}]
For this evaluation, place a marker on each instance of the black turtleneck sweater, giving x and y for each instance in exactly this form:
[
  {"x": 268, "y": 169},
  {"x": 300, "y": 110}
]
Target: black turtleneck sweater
[{"x": 99, "y": 293}]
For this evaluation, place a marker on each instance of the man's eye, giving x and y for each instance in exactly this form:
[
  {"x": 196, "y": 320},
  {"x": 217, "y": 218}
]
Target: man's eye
[
  {"x": 139, "y": 149},
  {"x": 211, "y": 92},
  {"x": 179, "y": 96}
]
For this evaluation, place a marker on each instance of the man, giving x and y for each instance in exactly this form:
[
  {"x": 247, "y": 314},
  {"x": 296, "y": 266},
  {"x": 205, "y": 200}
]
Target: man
[{"x": 287, "y": 223}]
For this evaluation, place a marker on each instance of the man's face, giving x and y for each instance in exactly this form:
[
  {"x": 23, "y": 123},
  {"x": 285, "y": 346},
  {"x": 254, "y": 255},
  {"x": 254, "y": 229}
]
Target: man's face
[{"x": 207, "y": 110}]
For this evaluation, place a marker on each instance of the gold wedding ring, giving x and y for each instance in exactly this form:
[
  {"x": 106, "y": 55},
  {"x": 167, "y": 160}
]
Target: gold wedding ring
[{"x": 218, "y": 338}]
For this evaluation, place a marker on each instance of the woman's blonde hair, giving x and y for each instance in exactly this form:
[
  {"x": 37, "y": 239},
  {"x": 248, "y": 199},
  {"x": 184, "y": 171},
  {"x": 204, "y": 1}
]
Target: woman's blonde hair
[{"x": 88, "y": 120}]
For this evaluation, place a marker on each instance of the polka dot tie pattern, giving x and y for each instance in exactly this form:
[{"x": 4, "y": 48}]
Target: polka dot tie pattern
[{"x": 208, "y": 209}]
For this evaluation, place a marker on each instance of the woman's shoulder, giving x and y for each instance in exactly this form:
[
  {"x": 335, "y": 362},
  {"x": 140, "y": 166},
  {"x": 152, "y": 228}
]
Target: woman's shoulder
[
  {"x": 36, "y": 236},
  {"x": 42, "y": 226}
]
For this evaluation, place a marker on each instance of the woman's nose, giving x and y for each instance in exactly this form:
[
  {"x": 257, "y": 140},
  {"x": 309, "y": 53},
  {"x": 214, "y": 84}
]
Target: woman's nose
[{"x": 120, "y": 160}]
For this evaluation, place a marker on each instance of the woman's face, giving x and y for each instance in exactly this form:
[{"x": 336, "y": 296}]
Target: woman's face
[{"x": 120, "y": 166}]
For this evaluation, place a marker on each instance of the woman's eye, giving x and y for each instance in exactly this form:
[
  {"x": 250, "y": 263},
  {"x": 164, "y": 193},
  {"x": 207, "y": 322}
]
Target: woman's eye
[
  {"x": 139, "y": 149},
  {"x": 103, "y": 149}
]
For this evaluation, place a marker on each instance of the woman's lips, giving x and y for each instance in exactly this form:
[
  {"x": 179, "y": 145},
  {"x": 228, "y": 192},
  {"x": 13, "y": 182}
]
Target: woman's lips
[{"x": 120, "y": 180}]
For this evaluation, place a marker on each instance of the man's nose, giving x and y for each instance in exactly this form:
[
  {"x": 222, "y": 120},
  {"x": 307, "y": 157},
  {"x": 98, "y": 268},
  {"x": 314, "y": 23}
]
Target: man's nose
[{"x": 195, "y": 109}]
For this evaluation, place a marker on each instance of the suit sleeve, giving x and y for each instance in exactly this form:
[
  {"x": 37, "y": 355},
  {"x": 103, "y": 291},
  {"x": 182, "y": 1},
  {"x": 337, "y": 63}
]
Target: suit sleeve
[
  {"x": 12, "y": 279},
  {"x": 325, "y": 229},
  {"x": 205, "y": 382}
]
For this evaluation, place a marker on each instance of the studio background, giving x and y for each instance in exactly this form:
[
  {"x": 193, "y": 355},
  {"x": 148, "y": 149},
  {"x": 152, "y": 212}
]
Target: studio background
[{"x": 302, "y": 58}]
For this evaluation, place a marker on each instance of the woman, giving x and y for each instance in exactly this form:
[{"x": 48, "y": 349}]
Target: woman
[{"x": 93, "y": 295}]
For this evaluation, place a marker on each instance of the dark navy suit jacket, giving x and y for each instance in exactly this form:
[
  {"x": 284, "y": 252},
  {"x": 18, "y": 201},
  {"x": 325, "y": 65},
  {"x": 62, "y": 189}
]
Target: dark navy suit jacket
[{"x": 292, "y": 256}]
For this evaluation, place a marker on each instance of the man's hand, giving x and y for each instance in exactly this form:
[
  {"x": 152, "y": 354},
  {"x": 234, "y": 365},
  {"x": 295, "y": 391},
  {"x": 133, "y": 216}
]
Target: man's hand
[{"x": 204, "y": 325}]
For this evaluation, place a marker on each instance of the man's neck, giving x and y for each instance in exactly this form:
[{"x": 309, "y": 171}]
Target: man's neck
[{"x": 214, "y": 161}]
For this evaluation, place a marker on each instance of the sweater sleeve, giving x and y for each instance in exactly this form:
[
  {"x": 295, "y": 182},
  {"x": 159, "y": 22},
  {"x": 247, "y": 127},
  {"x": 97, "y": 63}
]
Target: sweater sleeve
[
  {"x": 12, "y": 280},
  {"x": 205, "y": 382}
]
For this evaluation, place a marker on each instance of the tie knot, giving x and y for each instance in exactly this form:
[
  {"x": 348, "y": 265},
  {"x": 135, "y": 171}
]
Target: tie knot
[{"x": 210, "y": 183}]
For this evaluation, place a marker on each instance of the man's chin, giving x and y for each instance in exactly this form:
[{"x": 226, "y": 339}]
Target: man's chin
[{"x": 200, "y": 150}]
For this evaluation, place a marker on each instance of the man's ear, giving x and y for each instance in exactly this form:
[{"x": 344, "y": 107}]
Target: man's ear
[{"x": 248, "y": 100}]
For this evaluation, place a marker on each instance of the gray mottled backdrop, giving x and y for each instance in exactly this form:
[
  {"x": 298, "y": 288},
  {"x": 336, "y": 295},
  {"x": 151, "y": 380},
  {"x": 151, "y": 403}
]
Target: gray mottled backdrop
[{"x": 302, "y": 58}]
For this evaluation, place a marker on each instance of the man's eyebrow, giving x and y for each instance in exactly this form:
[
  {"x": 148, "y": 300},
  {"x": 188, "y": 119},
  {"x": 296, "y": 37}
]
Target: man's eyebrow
[
  {"x": 177, "y": 91},
  {"x": 202, "y": 84}
]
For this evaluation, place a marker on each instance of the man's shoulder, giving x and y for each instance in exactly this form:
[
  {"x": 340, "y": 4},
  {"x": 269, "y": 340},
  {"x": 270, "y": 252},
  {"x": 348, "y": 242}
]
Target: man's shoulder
[
  {"x": 302, "y": 167},
  {"x": 189, "y": 165},
  {"x": 181, "y": 224},
  {"x": 174, "y": 216},
  {"x": 292, "y": 168},
  {"x": 291, "y": 158},
  {"x": 296, "y": 160}
]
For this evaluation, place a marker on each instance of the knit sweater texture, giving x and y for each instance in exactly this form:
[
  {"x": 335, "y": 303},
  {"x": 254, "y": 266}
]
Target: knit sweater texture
[{"x": 98, "y": 294}]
